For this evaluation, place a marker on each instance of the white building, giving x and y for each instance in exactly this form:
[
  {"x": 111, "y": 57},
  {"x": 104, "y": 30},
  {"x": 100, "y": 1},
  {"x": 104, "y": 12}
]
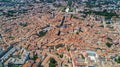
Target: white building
[{"x": 92, "y": 55}]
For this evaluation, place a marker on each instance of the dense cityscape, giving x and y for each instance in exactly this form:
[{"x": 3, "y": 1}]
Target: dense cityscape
[{"x": 59, "y": 33}]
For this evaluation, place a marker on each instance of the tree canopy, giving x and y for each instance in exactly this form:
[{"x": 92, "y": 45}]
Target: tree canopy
[{"x": 53, "y": 62}]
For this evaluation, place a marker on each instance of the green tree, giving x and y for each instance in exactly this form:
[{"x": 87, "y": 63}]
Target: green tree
[
  {"x": 34, "y": 57},
  {"x": 108, "y": 44},
  {"x": 53, "y": 62},
  {"x": 110, "y": 39},
  {"x": 117, "y": 60},
  {"x": 83, "y": 57},
  {"x": 68, "y": 48},
  {"x": 61, "y": 55},
  {"x": 69, "y": 3},
  {"x": 41, "y": 33}
]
